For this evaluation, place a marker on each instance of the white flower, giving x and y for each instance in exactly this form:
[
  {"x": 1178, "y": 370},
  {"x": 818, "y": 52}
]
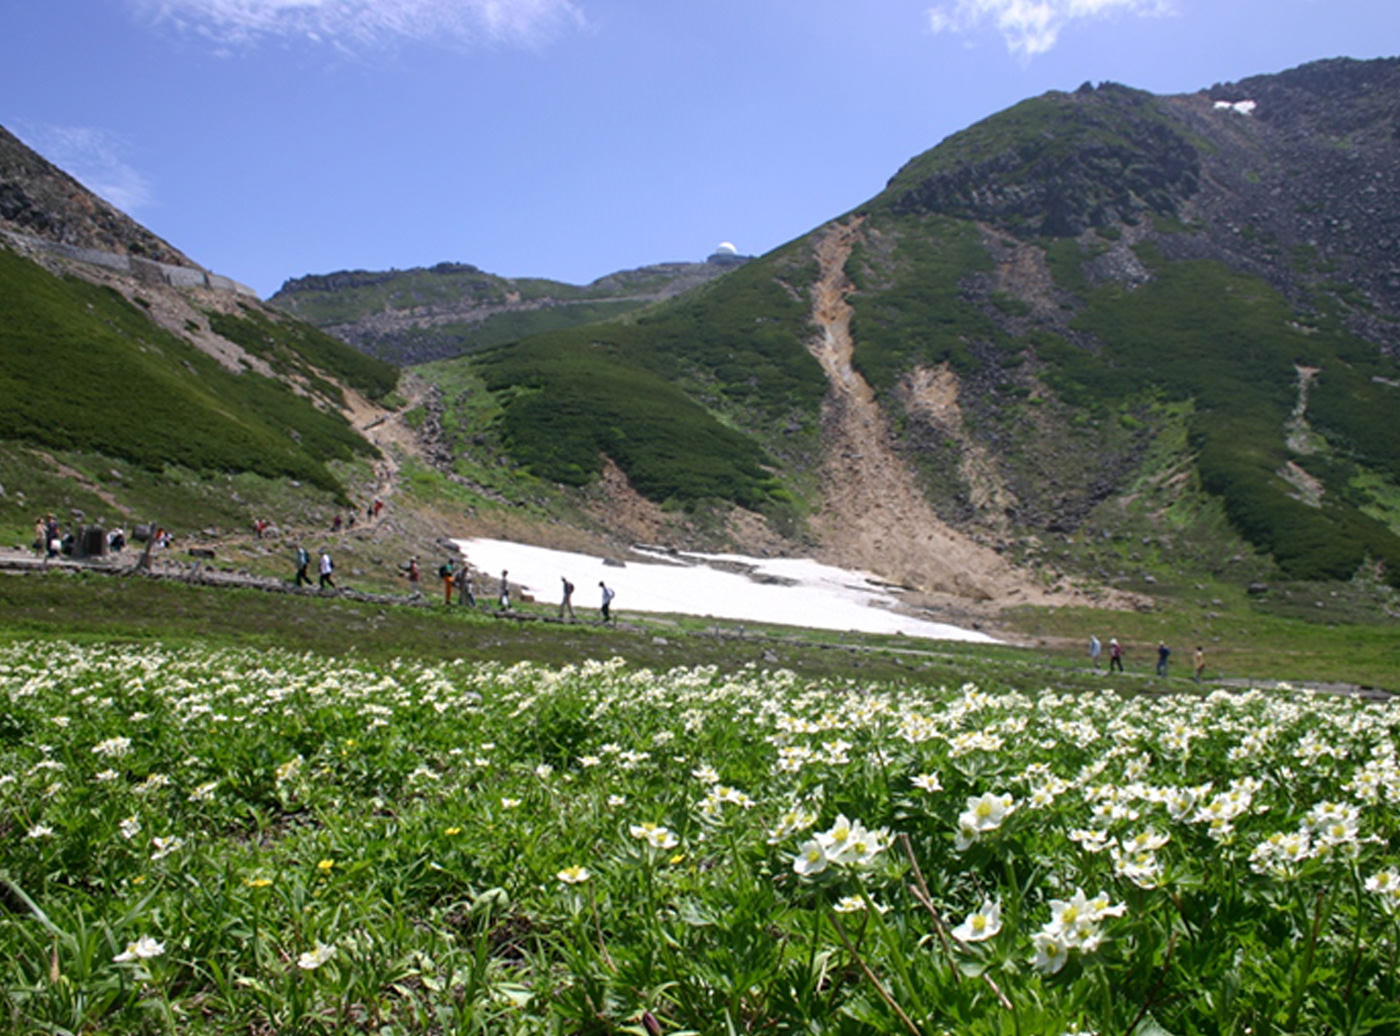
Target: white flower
[
  {"x": 1145, "y": 841},
  {"x": 1386, "y": 884},
  {"x": 40, "y": 831},
  {"x": 165, "y": 846},
  {"x": 987, "y": 812},
  {"x": 1050, "y": 952},
  {"x": 143, "y": 948},
  {"x": 798, "y": 818},
  {"x": 314, "y": 958},
  {"x": 984, "y": 813},
  {"x": 288, "y": 770},
  {"x": 575, "y": 875},
  {"x": 113, "y": 746},
  {"x": 1143, "y": 869},
  {"x": 928, "y": 782},
  {"x": 204, "y": 792},
  {"x": 980, "y": 924},
  {"x": 130, "y": 827},
  {"x": 705, "y": 774},
  {"x": 655, "y": 835},
  {"x": 1091, "y": 841},
  {"x": 811, "y": 858}
]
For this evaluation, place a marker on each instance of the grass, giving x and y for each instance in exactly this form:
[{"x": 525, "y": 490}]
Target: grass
[
  {"x": 292, "y": 346},
  {"x": 214, "y": 840},
  {"x": 75, "y": 360},
  {"x": 115, "y": 492},
  {"x": 1281, "y": 636}
]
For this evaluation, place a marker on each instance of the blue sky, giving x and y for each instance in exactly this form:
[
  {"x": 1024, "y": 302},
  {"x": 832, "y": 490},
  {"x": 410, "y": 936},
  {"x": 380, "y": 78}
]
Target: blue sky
[{"x": 268, "y": 139}]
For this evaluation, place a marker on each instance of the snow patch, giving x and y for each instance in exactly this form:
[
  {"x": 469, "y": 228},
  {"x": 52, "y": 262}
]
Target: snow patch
[
  {"x": 1242, "y": 107},
  {"x": 782, "y": 591}
]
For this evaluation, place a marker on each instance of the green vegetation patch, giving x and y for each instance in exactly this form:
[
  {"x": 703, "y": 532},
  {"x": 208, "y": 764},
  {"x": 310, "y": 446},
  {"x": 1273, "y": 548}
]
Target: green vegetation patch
[
  {"x": 1229, "y": 342},
  {"x": 668, "y": 396},
  {"x": 565, "y": 408},
  {"x": 909, "y": 307},
  {"x": 229, "y": 841},
  {"x": 83, "y": 369},
  {"x": 292, "y": 346}
]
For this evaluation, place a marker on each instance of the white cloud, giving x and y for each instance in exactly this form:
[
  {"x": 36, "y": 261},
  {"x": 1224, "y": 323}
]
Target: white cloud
[
  {"x": 94, "y": 158},
  {"x": 357, "y": 24},
  {"x": 1032, "y": 27}
]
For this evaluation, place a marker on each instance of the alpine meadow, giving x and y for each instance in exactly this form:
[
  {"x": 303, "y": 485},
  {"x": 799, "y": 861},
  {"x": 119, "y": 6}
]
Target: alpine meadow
[{"x": 1110, "y": 378}]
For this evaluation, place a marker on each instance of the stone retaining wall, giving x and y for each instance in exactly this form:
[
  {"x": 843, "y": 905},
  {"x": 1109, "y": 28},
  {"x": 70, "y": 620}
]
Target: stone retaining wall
[{"x": 143, "y": 269}]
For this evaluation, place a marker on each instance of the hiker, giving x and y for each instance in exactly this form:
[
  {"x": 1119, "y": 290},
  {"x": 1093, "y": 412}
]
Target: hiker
[
  {"x": 446, "y": 572},
  {"x": 505, "y": 591},
  {"x": 414, "y": 574},
  {"x": 1115, "y": 655},
  {"x": 1199, "y": 662},
  {"x": 567, "y": 604},
  {"x": 608, "y": 595},
  {"x": 466, "y": 592},
  {"x": 116, "y": 540},
  {"x": 337, "y": 522},
  {"x": 53, "y": 538},
  {"x": 1163, "y": 653},
  {"x": 41, "y": 536},
  {"x": 327, "y": 567},
  {"x": 378, "y": 506},
  {"x": 1094, "y": 649},
  {"x": 303, "y": 564}
]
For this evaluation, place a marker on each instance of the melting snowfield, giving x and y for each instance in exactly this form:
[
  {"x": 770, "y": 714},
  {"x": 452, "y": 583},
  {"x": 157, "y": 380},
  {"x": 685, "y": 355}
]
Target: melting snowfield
[{"x": 785, "y": 591}]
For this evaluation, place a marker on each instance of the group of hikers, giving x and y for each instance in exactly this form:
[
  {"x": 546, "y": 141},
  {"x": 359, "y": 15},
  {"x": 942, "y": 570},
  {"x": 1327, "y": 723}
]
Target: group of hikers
[
  {"x": 462, "y": 582},
  {"x": 325, "y": 566},
  {"x": 51, "y": 539},
  {"x": 458, "y": 581},
  {"x": 1115, "y": 657}
]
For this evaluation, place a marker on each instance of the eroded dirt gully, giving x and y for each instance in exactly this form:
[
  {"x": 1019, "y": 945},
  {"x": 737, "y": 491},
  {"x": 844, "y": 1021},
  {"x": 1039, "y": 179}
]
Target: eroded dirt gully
[{"x": 873, "y": 515}]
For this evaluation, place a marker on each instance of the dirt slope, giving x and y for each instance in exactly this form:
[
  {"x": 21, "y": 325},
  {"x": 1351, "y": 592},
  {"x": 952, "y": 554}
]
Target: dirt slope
[{"x": 873, "y": 515}]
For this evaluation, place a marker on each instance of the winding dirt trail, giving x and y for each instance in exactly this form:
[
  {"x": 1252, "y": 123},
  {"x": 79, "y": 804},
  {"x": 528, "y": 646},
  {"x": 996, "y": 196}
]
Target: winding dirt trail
[{"x": 874, "y": 516}]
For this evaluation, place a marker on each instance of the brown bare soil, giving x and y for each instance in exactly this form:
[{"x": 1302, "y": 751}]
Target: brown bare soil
[{"x": 874, "y": 516}]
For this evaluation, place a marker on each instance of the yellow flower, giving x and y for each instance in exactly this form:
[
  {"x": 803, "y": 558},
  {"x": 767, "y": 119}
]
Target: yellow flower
[
  {"x": 325, "y": 866},
  {"x": 257, "y": 883},
  {"x": 453, "y": 831}
]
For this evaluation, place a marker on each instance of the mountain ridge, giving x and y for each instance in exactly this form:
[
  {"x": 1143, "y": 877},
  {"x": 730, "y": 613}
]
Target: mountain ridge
[
  {"x": 1039, "y": 304},
  {"x": 430, "y": 313},
  {"x": 1101, "y": 345}
]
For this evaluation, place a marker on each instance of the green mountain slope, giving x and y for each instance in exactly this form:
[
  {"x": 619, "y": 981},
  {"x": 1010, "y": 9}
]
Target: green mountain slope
[
  {"x": 1050, "y": 294},
  {"x": 83, "y": 369},
  {"x": 423, "y": 314}
]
